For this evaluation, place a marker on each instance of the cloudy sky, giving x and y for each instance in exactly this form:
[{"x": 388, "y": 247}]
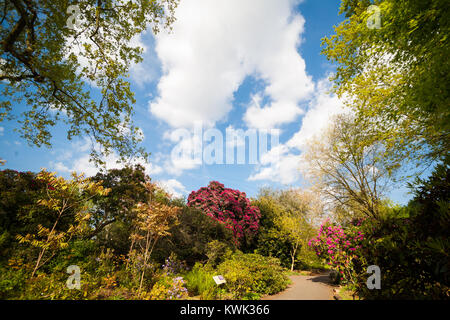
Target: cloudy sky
[{"x": 228, "y": 64}]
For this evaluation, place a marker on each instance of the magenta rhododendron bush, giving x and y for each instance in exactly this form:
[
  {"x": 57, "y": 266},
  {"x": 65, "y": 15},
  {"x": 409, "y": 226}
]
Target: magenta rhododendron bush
[
  {"x": 340, "y": 247},
  {"x": 227, "y": 206}
]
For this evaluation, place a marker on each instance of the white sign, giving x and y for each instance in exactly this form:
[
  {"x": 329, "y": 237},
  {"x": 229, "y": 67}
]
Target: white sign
[{"x": 219, "y": 279}]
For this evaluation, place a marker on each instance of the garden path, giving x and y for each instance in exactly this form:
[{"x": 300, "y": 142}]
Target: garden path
[{"x": 313, "y": 287}]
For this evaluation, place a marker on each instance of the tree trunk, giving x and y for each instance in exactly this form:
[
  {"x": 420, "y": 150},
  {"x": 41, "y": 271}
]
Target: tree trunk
[
  {"x": 36, "y": 267},
  {"x": 41, "y": 254},
  {"x": 293, "y": 252}
]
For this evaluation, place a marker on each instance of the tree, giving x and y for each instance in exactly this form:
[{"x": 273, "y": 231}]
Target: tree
[
  {"x": 62, "y": 198},
  {"x": 190, "y": 237},
  {"x": 296, "y": 229},
  {"x": 52, "y": 51},
  {"x": 228, "y": 206},
  {"x": 113, "y": 214},
  {"x": 153, "y": 222},
  {"x": 19, "y": 192},
  {"x": 287, "y": 219},
  {"x": 397, "y": 75},
  {"x": 348, "y": 166},
  {"x": 411, "y": 245}
]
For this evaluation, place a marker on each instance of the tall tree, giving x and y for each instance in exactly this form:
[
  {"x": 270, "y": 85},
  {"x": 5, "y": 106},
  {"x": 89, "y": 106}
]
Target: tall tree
[
  {"x": 51, "y": 51},
  {"x": 113, "y": 214},
  {"x": 287, "y": 220},
  {"x": 62, "y": 198},
  {"x": 295, "y": 222},
  {"x": 154, "y": 220},
  {"x": 397, "y": 73},
  {"x": 348, "y": 166}
]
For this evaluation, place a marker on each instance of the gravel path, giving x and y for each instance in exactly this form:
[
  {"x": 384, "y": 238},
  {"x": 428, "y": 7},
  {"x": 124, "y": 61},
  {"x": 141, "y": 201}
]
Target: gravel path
[{"x": 306, "y": 288}]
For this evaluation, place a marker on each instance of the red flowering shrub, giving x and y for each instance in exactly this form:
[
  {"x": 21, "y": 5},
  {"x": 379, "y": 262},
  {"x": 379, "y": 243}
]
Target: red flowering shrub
[
  {"x": 341, "y": 248},
  {"x": 228, "y": 206}
]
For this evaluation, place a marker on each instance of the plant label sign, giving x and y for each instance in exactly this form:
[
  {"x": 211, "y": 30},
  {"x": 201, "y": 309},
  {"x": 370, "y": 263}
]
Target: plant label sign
[{"x": 219, "y": 279}]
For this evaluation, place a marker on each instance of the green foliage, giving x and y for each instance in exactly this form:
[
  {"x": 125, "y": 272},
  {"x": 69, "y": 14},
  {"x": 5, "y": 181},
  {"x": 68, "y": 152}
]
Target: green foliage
[
  {"x": 19, "y": 192},
  {"x": 217, "y": 252},
  {"x": 412, "y": 251},
  {"x": 250, "y": 274},
  {"x": 199, "y": 281},
  {"x": 113, "y": 214},
  {"x": 248, "y": 277},
  {"x": 190, "y": 237},
  {"x": 49, "y": 65},
  {"x": 285, "y": 226},
  {"x": 397, "y": 76},
  {"x": 63, "y": 199},
  {"x": 409, "y": 244},
  {"x": 271, "y": 243},
  {"x": 12, "y": 279}
]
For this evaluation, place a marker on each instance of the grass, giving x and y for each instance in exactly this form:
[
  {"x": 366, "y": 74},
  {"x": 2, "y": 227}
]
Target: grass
[
  {"x": 200, "y": 283},
  {"x": 347, "y": 293}
]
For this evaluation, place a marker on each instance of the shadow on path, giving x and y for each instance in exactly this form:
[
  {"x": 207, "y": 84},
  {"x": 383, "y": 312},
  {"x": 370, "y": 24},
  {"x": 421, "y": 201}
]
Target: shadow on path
[
  {"x": 316, "y": 287},
  {"x": 324, "y": 278}
]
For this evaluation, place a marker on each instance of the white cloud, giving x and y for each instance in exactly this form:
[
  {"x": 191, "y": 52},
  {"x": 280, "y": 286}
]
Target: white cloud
[
  {"x": 60, "y": 167},
  {"x": 214, "y": 46},
  {"x": 147, "y": 70},
  {"x": 321, "y": 109},
  {"x": 283, "y": 163},
  {"x": 173, "y": 187},
  {"x": 278, "y": 165},
  {"x": 186, "y": 154},
  {"x": 2, "y": 130}
]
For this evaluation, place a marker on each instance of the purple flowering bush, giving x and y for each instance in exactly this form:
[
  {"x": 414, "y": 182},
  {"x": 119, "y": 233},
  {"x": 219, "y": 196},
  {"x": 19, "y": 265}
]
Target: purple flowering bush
[
  {"x": 173, "y": 266},
  {"x": 341, "y": 248},
  {"x": 228, "y": 206}
]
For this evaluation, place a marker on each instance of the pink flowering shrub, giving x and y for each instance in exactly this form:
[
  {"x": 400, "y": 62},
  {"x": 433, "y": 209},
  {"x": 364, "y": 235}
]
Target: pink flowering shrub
[
  {"x": 341, "y": 248},
  {"x": 228, "y": 206}
]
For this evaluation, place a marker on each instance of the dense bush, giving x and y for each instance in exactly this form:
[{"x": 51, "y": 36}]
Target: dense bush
[
  {"x": 12, "y": 279},
  {"x": 199, "y": 282},
  {"x": 190, "y": 237},
  {"x": 411, "y": 268},
  {"x": 409, "y": 244},
  {"x": 217, "y": 252},
  {"x": 230, "y": 207},
  {"x": 19, "y": 192},
  {"x": 341, "y": 248},
  {"x": 250, "y": 274}
]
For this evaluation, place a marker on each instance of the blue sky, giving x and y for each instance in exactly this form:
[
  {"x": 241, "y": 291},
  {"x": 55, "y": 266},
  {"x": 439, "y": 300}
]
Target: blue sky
[{"x": 227, "y": 64}]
